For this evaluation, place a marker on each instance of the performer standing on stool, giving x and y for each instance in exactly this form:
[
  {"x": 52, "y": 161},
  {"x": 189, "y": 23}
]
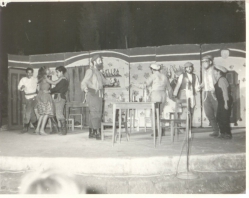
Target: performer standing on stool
[
  {"x": 183, "y": 80},
  {"x": 29, "y": 85},
  {"x": 210, "y": 100},
  {"x": 159, "y": 83},
  {"x": 223, "y": 94},
  {"x": 92, "y": 85}
]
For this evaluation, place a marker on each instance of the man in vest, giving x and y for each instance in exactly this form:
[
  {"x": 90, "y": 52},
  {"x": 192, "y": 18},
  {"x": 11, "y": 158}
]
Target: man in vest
[
  {"x": 59, "y": 92},
  {"x": 210, "y": 100},
  {"x": 187, "y": 85},
  {"x": 29, "y": 85},
  {"x": 92, "y": 85}
]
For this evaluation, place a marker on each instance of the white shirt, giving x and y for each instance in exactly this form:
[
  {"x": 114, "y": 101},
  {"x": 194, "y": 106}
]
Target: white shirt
[
  {"x": 209, "y": 79},
  {"x": 190, "y": 92},
  {"x": 179, "y": 82},
  {"x": 30, "y": 86}
]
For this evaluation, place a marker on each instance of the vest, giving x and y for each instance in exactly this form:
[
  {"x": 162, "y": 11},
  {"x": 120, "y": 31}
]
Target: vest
[{"x": 185, "y": 80}]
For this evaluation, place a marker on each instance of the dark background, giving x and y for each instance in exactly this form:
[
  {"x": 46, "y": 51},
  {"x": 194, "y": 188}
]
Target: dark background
[{"x": 43, "y": 28}]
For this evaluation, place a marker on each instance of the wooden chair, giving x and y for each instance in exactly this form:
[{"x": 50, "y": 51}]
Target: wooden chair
[
  {"x": 124, "y": 123},
  {"x": 174, "y": 120}
]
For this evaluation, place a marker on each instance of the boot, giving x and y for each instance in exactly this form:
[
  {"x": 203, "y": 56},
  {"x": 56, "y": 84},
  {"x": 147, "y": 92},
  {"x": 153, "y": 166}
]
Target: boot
[
  {"x": 63, "y": 127},
  {"x": 25, "y": 129},
  {"x": 98, "y": 135},
  {"x": 91, "y": 133},
  {"x": 214, "y": 134},
  {"x": 35, "y": 125},
  {"x": 54, "y": 126}
]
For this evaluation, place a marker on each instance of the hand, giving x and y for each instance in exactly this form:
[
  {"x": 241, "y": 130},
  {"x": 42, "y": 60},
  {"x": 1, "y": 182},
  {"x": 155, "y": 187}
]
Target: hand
[
  {"x": 201, "y": 86},
  {"x": 226, "y": 106},
  {"x": 22, "y": 87}
]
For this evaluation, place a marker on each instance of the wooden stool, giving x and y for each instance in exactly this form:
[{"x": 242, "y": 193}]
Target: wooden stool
[
  {"x": 70, "y": 123},
  {"x": 69, "y": 117}
]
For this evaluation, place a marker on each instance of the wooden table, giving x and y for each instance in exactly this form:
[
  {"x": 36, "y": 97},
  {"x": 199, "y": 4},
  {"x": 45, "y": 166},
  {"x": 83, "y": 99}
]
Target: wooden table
[
  {"x": 74, "y": 105},
  {"x": 135, "y": 106}
]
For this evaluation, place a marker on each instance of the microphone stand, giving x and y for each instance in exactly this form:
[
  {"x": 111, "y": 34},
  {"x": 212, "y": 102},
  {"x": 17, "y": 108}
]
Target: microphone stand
[{"x": 187, "y": 174}]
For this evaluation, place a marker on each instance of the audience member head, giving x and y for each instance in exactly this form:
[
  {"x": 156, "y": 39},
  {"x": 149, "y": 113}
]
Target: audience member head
[{"x": 49, "y": 182}]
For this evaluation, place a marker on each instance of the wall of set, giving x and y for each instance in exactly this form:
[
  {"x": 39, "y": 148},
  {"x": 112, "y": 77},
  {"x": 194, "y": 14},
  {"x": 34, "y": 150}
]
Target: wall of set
[{"x": 132, "y": 66}]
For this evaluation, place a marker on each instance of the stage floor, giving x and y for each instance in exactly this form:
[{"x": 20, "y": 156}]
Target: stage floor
[
  {"x": 130, "y": 167},
  {"x": 30, "y": 151},
  {"x": 77, "y": 144}
]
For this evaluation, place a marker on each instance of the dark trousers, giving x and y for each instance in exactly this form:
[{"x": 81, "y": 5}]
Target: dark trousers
[
  {"x": 223, "y": 118},
  {"x": 59, "y": 108},
  {"x": 210, "y": 107},
  {"x": 29, "y": 114},
  {"x": 95, "y": 103}
]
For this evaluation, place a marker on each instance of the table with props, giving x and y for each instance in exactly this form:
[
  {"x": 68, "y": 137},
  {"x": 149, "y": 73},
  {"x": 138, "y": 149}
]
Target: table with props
[{"x": 134, "y": 106}]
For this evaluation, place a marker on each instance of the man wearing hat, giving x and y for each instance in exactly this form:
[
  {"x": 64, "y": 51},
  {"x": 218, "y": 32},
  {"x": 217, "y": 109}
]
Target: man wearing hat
[
  {"x": 92, "y": 85},
  {"x": 187, "y": 85},
  {"x": 159, "y": 83},
  {"x": 210, "y": 100},
  {"x": 224, "y": 98}
]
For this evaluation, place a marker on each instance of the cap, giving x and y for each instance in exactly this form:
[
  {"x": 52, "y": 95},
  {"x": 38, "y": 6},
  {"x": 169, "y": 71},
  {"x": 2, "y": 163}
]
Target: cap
[
  {"x": 221, "y": 68},
  {"x": 188, "y": 64},
  {"x": 95, "y": 57},
  {"x": 155, "y": 66},
  {"x": 207, "y": 57}
]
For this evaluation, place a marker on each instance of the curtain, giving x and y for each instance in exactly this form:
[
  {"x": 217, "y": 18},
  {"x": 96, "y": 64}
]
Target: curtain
[{"x": 75, "y": 76}]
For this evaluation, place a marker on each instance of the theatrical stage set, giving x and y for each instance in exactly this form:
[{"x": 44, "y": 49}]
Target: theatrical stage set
[{"x": 136, "y": 131}]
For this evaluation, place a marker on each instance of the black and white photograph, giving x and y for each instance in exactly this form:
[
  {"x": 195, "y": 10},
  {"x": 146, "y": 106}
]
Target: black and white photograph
[{"x": 123, "y": 97}]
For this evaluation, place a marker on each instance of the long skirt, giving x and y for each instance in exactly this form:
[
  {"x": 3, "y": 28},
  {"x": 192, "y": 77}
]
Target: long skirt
[{"x": 45, "y": 104}]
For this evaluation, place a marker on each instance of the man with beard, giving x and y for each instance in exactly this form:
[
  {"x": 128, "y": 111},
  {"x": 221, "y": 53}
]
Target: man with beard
[
  {"x": 92, "y": 85},
  {"x": 29, "y": 85}
]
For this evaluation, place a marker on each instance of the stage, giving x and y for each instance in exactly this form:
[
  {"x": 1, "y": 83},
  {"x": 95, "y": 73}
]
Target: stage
[{"x": 130, "y": 163}]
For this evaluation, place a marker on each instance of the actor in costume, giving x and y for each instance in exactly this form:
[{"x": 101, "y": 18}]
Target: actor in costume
[
  {"x": 159, "y": 84},
  {"x": 223, "y": 94},
  {"x": 59, "y": 92},
  {"x": 190, "y": 81},
  {"x": 210, "y": 100},
  {"x": 92, "y": 85},
  {"x": 45, "y": 103},
  {"x": 29, "y": 85}
]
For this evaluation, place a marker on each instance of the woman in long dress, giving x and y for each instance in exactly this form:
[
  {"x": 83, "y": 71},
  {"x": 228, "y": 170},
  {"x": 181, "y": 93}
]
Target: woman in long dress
[{"x": 45, "y": 103}]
